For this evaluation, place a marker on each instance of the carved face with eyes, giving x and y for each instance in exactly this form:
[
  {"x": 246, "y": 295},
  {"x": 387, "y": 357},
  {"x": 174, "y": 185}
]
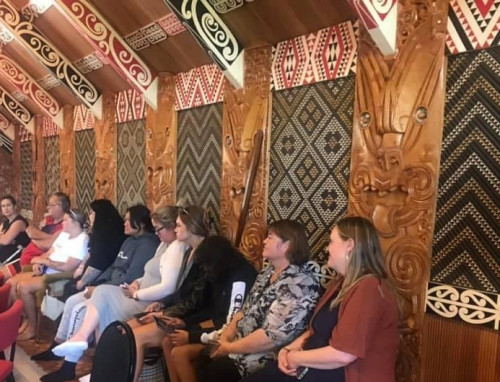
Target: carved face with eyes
[{"x": 390, "y": 158}]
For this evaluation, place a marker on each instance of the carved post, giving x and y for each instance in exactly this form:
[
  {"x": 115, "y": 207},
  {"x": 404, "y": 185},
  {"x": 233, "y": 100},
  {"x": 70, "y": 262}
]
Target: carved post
[
  {"x": 38, "y": 149},
  {"x": 16, "y": 164},
  {"x": 161, "y": 146},
  {"x": 105, "y": 141},
  {"x": 398, "y": 123},
  {"x": 67, "y": 154},
  {"x": 245, "y": 112}
]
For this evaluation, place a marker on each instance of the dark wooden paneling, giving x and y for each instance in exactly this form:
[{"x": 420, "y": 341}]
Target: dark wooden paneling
[{"x": 454, "y": 351}]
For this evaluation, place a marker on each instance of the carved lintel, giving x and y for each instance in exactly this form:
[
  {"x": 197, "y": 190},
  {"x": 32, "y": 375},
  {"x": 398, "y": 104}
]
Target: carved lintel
[
  {"x": 398, "y": 123},
  {"x": 67, "y": 154},
  {"x": 161, "y": 146},
  {"x": 105, "y": 141},
  {"x": 245, "y": 112}
]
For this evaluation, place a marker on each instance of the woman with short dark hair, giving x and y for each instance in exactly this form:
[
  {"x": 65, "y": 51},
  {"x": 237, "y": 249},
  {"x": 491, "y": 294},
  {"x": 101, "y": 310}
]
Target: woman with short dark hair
[
  {"x": 275, "y": 311},
  {"x": 353, "y": 334}
]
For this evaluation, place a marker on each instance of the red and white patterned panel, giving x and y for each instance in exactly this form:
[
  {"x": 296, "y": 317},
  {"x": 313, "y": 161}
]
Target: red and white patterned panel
[
  {"x": 50, "y": 129},
  {"x": 130, "y": 106},
  {"x": 24, "y": 134},
  {"x": 325, "y": 55},
  {"x": 198, "y": 87},
  {"x": 83, "y": 118},
  {"x": 473, "y": 25}
]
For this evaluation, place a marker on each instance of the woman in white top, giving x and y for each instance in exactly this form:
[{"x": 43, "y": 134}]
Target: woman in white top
[{"x": 68, "y": 250}]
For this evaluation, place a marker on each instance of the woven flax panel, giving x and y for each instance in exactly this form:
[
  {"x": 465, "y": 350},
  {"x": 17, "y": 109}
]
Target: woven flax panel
[
  {"x": 199, "y": 158},
  {"x": 131, "y": 164},
  {"x": 52, "y": 167},
  {"x": 85, "y": 168},
  {"x": 26, "y": 175},
  {"x": 466, "y": 236},
  {"x": 310, "y": 157}
]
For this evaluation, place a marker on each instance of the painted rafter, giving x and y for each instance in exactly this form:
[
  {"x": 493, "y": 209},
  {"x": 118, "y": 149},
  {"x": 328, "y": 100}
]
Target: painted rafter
[
  {"x": 7, "y": 127},
  {"x": 17, "y": 111},
  {"x": 25, "y": 84},
  {"x": 47, "y": 54},
  {"x": 206, "y": 26},
  {"x": 101, "y": 35},
  {"x": 380, "y": 20}
]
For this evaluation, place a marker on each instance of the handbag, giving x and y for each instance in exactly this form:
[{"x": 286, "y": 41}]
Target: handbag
[{"x": 51, "y": 307}]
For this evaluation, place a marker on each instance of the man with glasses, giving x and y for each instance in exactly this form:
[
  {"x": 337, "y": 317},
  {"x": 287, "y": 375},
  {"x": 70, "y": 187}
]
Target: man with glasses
[{"x": 43, "y": 235}]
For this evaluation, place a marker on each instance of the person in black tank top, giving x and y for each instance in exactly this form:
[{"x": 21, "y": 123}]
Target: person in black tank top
[{"x": 12, "y": 231}]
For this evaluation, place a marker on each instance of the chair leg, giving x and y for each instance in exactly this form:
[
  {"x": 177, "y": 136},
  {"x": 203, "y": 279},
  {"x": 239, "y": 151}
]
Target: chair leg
[{"x": 11, "y": 378}]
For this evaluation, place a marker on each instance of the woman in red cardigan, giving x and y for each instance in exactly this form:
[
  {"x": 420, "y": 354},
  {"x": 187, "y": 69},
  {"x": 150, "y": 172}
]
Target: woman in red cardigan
[{"x": 353, "y": 336}]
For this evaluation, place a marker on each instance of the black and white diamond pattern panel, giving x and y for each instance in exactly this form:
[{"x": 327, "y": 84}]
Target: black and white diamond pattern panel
[
  {"x": 310, "y": 157},
  {"x": 26, "y": 175},
  {"x": 131, "y": 164},
  {"x": 52, "y": 166},
  {"x": 85, "y": 168},
  {"x": 467, "y": 235},
  {"x": 199, "y": 158}
]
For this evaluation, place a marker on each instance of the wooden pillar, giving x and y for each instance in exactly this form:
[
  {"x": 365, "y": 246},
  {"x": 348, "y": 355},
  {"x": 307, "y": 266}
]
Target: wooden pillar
[
  {"x": 38, "y": 150},
  {"x": 67, "y": 154},
  {"x": 397, "y": 130},
  {"x": 105, "y": 142},
  {"x": 246, "y": 112},
  {"x": 161, "y": 146},
  {"x": 16, "y": 164}
]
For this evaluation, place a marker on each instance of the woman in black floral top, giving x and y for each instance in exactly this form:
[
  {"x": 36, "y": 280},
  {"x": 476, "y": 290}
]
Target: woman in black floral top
[{"x": 276, "y": 310}]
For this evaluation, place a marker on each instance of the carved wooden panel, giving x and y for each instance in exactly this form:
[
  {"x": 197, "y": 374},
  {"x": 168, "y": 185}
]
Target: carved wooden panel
[
  {"x": 67, "y": 155},
  {"x": 38, "y": 147},
  {"x": 246, "y": 111},
  {"x": 16, "y": 161},
  {"x": 161, "y": 146},
  {"x": 105, "y": 142},
  {"x": 398, "y": 122}
]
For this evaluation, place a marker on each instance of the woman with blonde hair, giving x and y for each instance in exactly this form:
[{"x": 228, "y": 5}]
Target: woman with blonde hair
[{"x": 353, "y": 334}]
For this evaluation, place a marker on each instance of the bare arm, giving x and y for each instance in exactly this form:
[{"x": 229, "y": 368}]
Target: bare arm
[
  {"x": 230, "y": 332},
  {"x": 41, "y": 239},
  {"x": 69, "y": 265},
  {"x": 324, "y": 358},
  {"x": 15, "y": 229}
]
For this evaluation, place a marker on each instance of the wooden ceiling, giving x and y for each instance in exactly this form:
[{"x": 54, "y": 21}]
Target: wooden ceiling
[{"x": 153, "y": 32}]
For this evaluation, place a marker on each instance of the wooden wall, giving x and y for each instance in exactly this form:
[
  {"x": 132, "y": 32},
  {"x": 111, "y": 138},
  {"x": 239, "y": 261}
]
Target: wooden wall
[
  {"x": 6, "y": 173},
  {"x": 454, "y": 351}
]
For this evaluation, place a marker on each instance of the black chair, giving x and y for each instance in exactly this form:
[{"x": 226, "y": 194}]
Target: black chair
[{"x": 115, "y": 354}]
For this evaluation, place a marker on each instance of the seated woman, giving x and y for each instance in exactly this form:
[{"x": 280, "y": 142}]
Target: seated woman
[
  {"x": 12, "y": 235},
  {"x": 229, "y": 278},
  {"x": 275, "y": 312},
  {"x": 66, "y": 253},
  {"x": 353, "y": 334},
  {"x": 110, "y": 302},
  {"x": 106, "y": 238}
]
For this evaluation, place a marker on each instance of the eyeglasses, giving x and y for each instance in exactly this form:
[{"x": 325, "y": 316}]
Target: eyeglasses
[
  {"x": 158, "y": 230},
  {"x": 72, "y": 213}
]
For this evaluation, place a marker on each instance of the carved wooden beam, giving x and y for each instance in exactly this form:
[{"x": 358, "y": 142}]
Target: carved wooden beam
[
  {"x": 102, "y": 36},
  {"x": 24, "y": 83},
  {"x": 105, "y": 142},
  {"x": 246, "y": 111},
  {"x": 16, "y": 161},
  {"x": 38, "y": 147},
  {"x": 397, "y": 130},
  {"x": 161, "y": 146},
  {"x": 380, "y": 20},
  {"x": 67, "y": 155},
  {"x": 206, "y": 26},
  {"x": 49, "y": 56},
  {"x": 17, "y": 111}
]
